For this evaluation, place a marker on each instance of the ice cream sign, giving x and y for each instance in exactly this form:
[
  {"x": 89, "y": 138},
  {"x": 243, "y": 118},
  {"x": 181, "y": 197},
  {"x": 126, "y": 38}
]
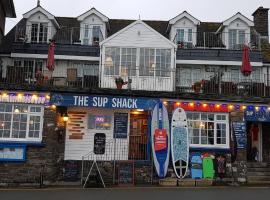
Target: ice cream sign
[{"x": 102, "y": 101}]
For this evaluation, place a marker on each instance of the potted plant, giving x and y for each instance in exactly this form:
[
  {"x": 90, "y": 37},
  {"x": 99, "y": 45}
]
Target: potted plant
[
  {"x": 197, "y": 86},
  {"x": 120, "y": 82}
]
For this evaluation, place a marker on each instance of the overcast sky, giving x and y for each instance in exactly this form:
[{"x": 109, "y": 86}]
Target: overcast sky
[{"x": 204, "y": 10}]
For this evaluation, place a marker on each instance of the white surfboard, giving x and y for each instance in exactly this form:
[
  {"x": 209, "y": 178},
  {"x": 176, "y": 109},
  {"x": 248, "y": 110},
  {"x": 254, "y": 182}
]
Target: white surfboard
[
  {"x": 179, "y": 142},
  {"x": 160, "y": 137}
]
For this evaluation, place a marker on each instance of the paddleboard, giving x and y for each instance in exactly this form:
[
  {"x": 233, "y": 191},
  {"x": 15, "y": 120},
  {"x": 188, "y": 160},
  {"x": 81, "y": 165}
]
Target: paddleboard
[
  {"x": 208, "y": 168},
  {"x": 196, "y": 166},
  {"x": 160, "y": 139},
  {"x": 179, "y": 143}
]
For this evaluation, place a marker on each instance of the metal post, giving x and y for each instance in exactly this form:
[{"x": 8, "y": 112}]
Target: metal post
[
  {"x": 82, "y": 170},
  {"x": 204, "y": 45},
  {"x": 71, "y": 35},
  {"x": 114, "y": 164}
]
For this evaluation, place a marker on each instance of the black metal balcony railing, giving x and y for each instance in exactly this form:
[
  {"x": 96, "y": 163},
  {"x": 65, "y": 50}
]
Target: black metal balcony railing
[
  {"x": 221, "y": 40},
  {"x": 21, "y": 78},
  {"x": 64, "y": 35}
]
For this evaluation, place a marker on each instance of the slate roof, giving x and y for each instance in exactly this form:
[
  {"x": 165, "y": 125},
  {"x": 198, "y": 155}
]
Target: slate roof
[{"x": 63, "y": 36}]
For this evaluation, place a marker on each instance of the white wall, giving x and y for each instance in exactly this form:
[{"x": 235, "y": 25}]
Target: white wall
[
  {"x": 139, "y": 36},
  {"x": 76, "y": 148}
]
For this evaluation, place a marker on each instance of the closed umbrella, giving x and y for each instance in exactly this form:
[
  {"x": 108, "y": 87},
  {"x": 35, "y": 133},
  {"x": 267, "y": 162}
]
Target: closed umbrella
[
  {"x": 50, "y": 60},
  {"x": 246, "y": 68}
]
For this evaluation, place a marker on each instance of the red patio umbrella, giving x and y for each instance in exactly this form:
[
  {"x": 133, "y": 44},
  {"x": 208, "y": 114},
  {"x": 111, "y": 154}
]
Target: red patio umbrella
[
  {"x": 50, "y": 60},
  {"x": 246, "y": 68}
]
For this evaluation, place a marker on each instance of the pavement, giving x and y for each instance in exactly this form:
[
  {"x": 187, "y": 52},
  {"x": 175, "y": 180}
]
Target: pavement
[{"x": 151, "y": 193}]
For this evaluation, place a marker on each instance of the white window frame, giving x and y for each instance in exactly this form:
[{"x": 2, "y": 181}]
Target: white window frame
[
  {"x": 230, "y": 44},
  {"x": 89, "y": 36},
  {"x": 167, "y": 62},
  {"x": 38, "y": 32},
  {"x": 27, "y": 139},
  {"x": 186, "y": 37},
  {"x": 215, "y": 145}
]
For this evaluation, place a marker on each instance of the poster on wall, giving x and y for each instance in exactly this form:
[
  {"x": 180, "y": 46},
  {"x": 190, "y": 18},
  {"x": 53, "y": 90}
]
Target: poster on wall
[
  {"x": 99, "y": 143},
  {"x": 240, "y": 134},
  {"x": 12, "y": 153},
  {"x": 120, "y": 125}
]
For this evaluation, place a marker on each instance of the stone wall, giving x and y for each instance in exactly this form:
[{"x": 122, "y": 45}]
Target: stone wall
[{"x": 45, "y": 158}]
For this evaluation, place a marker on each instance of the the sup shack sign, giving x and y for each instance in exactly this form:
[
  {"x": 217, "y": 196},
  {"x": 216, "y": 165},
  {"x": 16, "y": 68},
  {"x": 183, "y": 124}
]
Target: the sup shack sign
[{"x": 102, "y": 101}]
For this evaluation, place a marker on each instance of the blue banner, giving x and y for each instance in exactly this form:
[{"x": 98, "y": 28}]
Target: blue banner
[
  {"x": 261, "y": 115},
  {"x": 73, "y": 100}
]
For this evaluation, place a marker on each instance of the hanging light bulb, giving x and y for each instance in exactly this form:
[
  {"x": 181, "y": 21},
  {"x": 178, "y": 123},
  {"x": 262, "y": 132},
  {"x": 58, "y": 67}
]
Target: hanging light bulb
[
  {"x": 257, "y": 108},
  {"x": 243, "y": 107},
  {"x": 19, "y": 96},
  {"x": 230, "y": 107}
]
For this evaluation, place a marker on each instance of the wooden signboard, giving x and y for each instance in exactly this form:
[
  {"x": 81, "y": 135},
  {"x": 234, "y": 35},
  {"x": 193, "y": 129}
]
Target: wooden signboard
[{"x": 99, "y": 143}]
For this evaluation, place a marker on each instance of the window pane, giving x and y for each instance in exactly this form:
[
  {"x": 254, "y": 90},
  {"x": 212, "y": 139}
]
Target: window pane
[
  {"x": 190, "y": 35},
  {"x": 128, "y": 62},
  {"x": 112, "y": 61}
]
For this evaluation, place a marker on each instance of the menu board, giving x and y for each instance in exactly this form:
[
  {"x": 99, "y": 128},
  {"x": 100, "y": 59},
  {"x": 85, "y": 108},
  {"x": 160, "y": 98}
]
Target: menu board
[
  {"x": 125, "y": 173},
  {"x": 120, "y": 125},
  {"x": 240, "y": 134},
  {"x": 71, "y": 171},
  {"x": 99, "y": 143}
]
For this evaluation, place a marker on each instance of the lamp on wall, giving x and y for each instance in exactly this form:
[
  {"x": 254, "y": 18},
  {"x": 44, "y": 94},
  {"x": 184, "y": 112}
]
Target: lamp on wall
[{"x": 65, "y": 117}]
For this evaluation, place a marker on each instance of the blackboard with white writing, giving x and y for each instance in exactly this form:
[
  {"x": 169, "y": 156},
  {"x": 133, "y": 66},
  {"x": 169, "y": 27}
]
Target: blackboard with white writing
[
  {"x": 71, "y": 171},
  {"x": 240, "y": 134},
  {"x": 125, "y": 173},
  {"x": 99, "y": 143},
  {"x": 120, "y": 125}
]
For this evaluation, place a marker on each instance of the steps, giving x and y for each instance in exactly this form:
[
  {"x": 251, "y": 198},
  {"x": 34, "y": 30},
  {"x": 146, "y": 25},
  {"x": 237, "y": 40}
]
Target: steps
[{"x": 258, "y": 173}]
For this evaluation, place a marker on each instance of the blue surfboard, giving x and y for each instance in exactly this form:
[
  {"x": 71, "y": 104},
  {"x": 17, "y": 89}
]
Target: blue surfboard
[{"x": 160, "y": 137}]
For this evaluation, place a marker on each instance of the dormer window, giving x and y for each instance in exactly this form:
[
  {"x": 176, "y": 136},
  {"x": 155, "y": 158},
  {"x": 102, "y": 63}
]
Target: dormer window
[
  {"x": 91, "y": 35},
  {"x": 237, "y": 39},
  {"x": 39, "y": 32}
]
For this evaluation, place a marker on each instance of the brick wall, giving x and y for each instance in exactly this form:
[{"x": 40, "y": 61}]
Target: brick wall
[
  {"x": 49, "y": 156},
  {"x": 261, "y": 21}
]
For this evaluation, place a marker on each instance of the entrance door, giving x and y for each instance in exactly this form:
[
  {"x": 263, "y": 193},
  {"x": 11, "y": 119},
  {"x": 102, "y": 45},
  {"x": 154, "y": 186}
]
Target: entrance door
[
  {"x": 254, "y": 142},
  {"x": 266, "y": 142},
  {"x": 138, "y": 139}
]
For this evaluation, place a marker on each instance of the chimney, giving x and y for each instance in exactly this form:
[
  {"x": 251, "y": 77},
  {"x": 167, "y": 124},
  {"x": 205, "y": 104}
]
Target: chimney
[{"x": 261, "y": 21}]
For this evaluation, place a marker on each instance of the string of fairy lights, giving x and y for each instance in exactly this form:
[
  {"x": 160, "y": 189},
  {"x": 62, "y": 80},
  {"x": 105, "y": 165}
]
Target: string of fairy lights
[
  {"x": 25, "y": 97},
  {"x": 216, "y": 106}
]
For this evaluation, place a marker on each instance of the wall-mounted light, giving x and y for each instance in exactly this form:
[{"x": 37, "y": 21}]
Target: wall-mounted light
[{"x": 65, "y": 117}]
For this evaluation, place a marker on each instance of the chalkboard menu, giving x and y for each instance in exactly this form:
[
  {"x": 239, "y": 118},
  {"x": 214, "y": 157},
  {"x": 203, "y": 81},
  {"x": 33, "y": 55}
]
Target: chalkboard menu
[
  {"x": 120, "y": 125},
  {"x": 99, "y": 143},
  {"x": 240, "y": 134},
  {"x": 125, "y": 173},
  {"x": 71, "y": 171}
]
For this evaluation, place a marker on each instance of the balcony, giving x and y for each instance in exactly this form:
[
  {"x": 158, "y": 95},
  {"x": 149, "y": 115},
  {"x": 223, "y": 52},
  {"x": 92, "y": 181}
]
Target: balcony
[
  {"x": 69, "y": 41},
  {"x": 219, "y": 40},
  {"x": 156, "y": 82}
]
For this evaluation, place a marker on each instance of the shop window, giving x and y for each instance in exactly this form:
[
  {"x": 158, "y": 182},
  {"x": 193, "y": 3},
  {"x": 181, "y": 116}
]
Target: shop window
[
  {"x": 208, "y": 129},
  {"x": 99, "y": 122},
  {"x": 20, "y": 122}
]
